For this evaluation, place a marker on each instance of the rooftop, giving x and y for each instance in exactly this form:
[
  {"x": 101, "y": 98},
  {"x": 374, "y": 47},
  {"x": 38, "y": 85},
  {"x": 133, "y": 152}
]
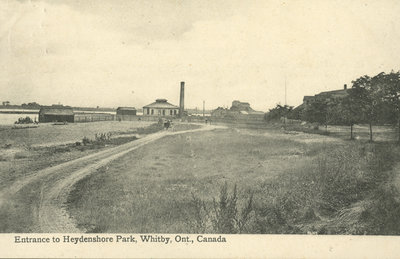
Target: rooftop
[
  {"x": 56, "y": 110},
  {"x": 161, "y": 103},
  {"x": 127, "y": 108}
]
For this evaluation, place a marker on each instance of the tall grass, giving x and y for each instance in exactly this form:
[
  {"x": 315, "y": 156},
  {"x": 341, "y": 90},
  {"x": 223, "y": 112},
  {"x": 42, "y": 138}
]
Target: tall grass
[
  {"x": 344, "y": 190},
  {"x": 339, "y": 177},
  {"x": 225, "y": 215},
  {"x": 327, "y": 188}
]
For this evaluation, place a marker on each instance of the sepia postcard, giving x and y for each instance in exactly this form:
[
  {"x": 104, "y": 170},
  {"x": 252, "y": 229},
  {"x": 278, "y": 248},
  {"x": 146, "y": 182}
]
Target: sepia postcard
[{"x": 200, "y": 128}]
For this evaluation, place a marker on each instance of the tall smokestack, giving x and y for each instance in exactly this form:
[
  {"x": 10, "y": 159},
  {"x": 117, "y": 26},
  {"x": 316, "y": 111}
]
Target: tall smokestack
[{"x": 182, "y": 100}]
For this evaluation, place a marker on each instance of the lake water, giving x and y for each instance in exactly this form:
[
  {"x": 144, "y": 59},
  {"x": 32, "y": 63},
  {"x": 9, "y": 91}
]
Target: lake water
[{"x": 10, "y": 118}]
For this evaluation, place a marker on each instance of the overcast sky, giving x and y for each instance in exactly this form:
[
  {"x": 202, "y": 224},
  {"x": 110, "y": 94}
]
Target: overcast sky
[{"x": 128, "y": 53}]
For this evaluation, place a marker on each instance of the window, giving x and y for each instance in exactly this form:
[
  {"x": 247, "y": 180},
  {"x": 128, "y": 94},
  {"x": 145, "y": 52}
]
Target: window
[
  {"x": 152, "y": 111},
  {"x": 163, "y": 112},
  {"x": 175, "y": 112},
  {"x": 170, "y": 112}
]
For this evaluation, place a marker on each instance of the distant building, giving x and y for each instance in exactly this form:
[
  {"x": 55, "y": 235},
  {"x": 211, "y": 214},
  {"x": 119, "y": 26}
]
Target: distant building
[
  {"x": 56, "y": 113},
  {"x": 93, "y": 116},
  {"x": 243, "y": 108},
  {"x": 240, "y": 106},
  {"x": 6, "y": 103},
  {"x": 126, "y": 111},
  {"x": 160, "y": 108},
  {"x": 126, "y": 114},
  {"x": 219, "y": 112},
  {"x": 237, "y": 107},
  {"x": 327, "y": 95}
]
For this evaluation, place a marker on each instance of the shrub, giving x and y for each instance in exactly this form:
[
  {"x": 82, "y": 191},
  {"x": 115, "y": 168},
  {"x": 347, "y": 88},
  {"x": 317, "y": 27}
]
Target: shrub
[
  {"x": 225, "y": 215},
  {"x": 25, "y": 120},
  {"x": 85, "y": 141}
]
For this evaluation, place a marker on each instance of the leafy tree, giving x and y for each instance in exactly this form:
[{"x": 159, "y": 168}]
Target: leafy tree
[
  {"x": 345, "y": 111},
  {"x": 317, "y": 111},
  {"x": 296, "y": 113},
  {"x": 278, "y": 112},
  {"x": 388, "y": 87},
  {"x": 367, "y": 97}
]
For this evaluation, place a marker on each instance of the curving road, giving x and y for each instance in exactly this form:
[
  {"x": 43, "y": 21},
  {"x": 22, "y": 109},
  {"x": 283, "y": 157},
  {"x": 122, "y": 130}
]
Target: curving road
[{"x": 57, "y": 182}]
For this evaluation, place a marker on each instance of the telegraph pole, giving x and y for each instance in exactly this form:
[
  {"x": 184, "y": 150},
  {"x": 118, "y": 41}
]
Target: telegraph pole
[
  {"x": 285, "y": 92},
  {"x": 284, "y": 118},
  {"x": 204, "y": 105}
]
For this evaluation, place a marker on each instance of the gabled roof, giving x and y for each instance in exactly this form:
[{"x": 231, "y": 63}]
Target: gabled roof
[
  {"x": 334, "y": 92},
  {"x": 162, "y": 104},
  {"x": 56, "y": 110}
]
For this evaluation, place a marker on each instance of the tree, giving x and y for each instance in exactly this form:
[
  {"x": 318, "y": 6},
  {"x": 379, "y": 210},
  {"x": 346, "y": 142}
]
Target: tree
[
  {"x": 296, "y": 113},
  {"x": 317, "y": 111},
  {"x": 388, "y": 87},
  {"x": 278, "y": 112},
  {"x": 367, "y": 97},
  {"x": 345, "y": 111}
]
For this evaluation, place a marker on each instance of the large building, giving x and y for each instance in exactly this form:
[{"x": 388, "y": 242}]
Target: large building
[
  {"x": 126, "y": 111},
  {"x": 327, "y": 96},
  {"x": 237, "y": 107},
  {"x": 126, "y": 114},
  {"x": 160, "y": 108},
  {"x": 56, "y": 113}
]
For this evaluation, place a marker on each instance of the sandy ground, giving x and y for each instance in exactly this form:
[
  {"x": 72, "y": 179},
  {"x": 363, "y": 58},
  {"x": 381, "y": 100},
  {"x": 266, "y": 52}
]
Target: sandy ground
[{"x": 56, "y": 182}]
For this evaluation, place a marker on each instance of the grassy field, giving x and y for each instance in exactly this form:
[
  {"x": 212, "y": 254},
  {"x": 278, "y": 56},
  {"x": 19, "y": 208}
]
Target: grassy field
[
  {"x": 18, "y": 213},
  {"x": 48, "y": 134},
  {"x": 243, "y": 181},
  {"x": 24, "y": 151},
  {"x": 360, "y": 132}
]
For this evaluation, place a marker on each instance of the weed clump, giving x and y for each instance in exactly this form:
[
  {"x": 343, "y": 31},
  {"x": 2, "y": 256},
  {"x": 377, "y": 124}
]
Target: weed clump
[{"x": 225, "y": 215}]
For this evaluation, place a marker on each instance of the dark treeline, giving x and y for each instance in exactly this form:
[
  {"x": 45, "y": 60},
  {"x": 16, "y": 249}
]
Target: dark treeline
[{"x": 371, "y": 100}]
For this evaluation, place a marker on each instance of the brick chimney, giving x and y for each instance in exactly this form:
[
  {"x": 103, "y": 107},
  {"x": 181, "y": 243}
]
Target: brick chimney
[
  {"x": 345, "y": 86},
  {"x": 182, "y": 100}
]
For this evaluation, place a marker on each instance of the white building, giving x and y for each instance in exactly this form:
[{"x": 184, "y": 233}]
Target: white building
[{"x": 160, "y": 108}]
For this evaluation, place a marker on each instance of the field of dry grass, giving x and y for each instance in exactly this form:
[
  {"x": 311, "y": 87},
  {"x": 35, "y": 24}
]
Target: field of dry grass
[
  {"x": 25, "y": 151},
  {"x": 49, "y": 134},
  {"x": 297, "y": 183},
  {"x": 233, "y": 180},
  {"x": 360, "y": 132}
]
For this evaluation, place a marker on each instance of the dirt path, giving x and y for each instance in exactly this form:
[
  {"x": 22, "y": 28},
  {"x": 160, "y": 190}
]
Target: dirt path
[{"x": 56, "y": 182}]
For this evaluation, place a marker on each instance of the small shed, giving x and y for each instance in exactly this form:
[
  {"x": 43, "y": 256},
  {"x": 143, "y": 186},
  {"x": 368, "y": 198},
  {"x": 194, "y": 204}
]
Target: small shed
[
  {"x": 56, "y": 113},
  {"x": 126, "y": 111}
]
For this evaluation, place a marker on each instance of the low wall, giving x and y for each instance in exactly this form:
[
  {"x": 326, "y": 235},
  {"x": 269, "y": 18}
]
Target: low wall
[
  {"x": 240, "y": 119},
  {"x": 90, "y": 117}
]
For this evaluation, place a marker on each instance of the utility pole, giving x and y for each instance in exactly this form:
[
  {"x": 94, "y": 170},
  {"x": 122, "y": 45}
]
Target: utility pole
[
  {"x": 285, "y": 92},
  {"x": 284, "y": 118},
  {"x": 204, "y": 105}
]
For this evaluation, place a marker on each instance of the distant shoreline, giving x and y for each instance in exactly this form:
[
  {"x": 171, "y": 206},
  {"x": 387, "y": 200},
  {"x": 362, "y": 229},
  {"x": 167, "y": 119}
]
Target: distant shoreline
[
  {"x": 16, "y": 109},
  {"x": 19, "y": 111}
]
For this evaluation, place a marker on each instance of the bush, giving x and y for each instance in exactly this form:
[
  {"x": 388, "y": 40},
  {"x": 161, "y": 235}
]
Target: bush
[
  {"x": 25, "y": 120},
  {"x": 225, "y": 216},
  {"x": 85, "y": 141},
  {"x": 102, "y": 137}
]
